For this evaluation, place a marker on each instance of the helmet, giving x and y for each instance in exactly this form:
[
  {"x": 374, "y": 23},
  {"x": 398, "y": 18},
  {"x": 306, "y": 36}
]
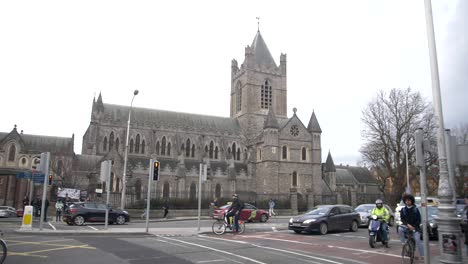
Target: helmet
[
  {"x": 409, "y": 197},
  {"x": 379, "y": 203}
]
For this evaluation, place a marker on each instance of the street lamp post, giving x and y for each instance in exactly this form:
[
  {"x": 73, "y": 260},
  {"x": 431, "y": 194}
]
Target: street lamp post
[
  {"x": 449, "y": 233},
  {"x": 124, "y": 177}
]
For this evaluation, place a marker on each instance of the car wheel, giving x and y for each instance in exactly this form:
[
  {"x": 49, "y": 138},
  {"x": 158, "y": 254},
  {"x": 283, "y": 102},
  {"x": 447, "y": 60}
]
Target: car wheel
[
  {"x": 120, "y": 220},
  {"x": 391, "y": 222},
  {"x": 79, "y": 220},
  {"x": 297, "y": 231},
  {"x": 263, "y": 218},
  {"x": 323, "y": 228},
  {"x": 354, "y": 226}
]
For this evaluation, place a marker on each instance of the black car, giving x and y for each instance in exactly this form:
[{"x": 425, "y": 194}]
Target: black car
[
  {"x": 324, "y": 218},
  {"x": 79, "y": 213}
]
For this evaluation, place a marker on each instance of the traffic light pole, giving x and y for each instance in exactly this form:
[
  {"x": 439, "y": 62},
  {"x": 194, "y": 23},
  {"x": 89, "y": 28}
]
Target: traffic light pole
[
  {"x": 44, "y": 157},
  {"x": 148, "y": 197}
]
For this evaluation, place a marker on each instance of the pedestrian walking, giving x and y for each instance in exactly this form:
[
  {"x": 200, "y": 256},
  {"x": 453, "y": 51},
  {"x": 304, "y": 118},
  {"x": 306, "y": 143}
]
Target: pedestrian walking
[
  {"x": 46, "y": 205},
  {"x": 166, "y": 207},
  {"x": 58, "y": 211},
  {"x": 271, "y": 208},
  {"x": 25, "y": 201}
]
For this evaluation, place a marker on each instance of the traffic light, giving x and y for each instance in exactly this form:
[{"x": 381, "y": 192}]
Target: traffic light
[
  {"x": 156, "y": 165},
  {"x": 50, "y": 179}
]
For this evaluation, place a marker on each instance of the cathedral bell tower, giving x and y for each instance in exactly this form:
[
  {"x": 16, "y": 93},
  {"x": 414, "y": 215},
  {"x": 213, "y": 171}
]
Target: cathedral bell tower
[{"x": 257, "y": 86}]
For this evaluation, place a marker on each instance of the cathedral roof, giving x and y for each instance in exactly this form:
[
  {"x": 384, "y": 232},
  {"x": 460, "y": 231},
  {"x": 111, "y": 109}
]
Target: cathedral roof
[
  {"x": 313, "y": 124},
  {"x": 155, "y": 118},
  {"x": 261, "y": 53},
  {"x": 344, "y": 176},
  {"x": 37, "y": 143},
  {"x": 360, "y": 174}
]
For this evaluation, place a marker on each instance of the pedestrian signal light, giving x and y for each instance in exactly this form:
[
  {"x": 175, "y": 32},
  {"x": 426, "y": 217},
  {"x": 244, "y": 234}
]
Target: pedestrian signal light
[
  {"x": 156, "y": 165},
  {"x": 50, "y": 179}
]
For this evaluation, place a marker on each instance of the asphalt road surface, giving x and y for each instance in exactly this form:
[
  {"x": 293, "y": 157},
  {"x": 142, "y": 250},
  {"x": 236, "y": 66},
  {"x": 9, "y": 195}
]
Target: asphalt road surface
[{"x": 279, "y": 246}]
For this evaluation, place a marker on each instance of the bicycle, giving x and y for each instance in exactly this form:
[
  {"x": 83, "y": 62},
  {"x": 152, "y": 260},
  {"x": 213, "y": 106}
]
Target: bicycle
[
  {"x": 408, "y": 249},
  {"x": 219, "y": 227},
  {"x": 4, "y": 249}
]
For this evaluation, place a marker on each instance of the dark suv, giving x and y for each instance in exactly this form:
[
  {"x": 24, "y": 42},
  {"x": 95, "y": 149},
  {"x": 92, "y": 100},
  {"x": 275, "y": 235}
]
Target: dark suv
[{"x": 79, "y": 213}]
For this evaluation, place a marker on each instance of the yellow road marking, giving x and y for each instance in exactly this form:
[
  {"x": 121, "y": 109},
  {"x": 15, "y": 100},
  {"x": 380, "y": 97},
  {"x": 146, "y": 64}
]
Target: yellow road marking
[
  {"x": 42, "y": 243},
  {"x": 25, "y": 254},
  {"x": 63, "y": 248}
]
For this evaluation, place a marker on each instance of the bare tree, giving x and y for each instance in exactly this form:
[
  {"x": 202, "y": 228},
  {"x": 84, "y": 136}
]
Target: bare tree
[
  {"x": 390, "y": 121},
  {"x": 461, "y": 133}
]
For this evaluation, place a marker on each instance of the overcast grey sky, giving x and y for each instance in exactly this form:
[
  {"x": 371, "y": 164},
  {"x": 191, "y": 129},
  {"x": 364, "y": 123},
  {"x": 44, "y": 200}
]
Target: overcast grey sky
[{"x": 55, "y": 56}]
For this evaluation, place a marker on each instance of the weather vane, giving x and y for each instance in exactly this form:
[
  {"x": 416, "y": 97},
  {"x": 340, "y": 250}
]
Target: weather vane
[{"x": 258, "y": 23}]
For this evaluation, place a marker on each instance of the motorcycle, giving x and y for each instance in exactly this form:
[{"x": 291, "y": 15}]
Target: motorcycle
[{"x": 375, "y": 234}]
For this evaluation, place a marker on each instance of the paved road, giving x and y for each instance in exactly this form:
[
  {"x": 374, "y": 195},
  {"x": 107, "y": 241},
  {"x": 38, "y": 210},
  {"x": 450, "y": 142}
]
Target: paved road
[{"x": 280, "y": 246}]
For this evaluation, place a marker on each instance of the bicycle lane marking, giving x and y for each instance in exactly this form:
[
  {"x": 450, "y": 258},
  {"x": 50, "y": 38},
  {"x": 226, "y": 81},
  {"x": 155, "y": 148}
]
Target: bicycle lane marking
[
  {"x": 217, "y": 250},
  {"x": 365, "y": 251},
  {"x": 278, "y": 249}
]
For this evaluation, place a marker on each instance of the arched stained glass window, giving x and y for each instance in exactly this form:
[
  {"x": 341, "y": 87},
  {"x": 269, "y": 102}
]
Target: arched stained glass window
[
  {"x": 131, "y": 146},
  {"x": 143, "y": 145},
  {"x": 211, "y": 149},
  {"x": 111, "y": 141},
  {"x": 137, "y": 144},
  {"x": 187, "y": 150},
  {"x": 163, "y": 146},
  {"x": 104, "y": 144},
  {"x": 12, "y": 153}
]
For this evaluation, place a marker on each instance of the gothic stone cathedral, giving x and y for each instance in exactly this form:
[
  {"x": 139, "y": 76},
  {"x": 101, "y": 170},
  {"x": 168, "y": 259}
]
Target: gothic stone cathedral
[{"x": 257, "y": 150}]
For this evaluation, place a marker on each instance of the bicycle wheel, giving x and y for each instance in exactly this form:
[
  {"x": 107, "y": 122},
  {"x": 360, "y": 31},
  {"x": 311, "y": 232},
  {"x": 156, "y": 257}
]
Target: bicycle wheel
[
  {"x": 219, "y": 227},
  {"x": 241, "y": 227},
  {"x": 3, "y": 251},
  {"x": 407, "y": 254}
]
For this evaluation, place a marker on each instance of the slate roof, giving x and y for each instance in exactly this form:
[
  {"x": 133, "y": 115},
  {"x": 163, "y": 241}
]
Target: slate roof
[
  {"x": 313, "y": 124},
  {"x": 344, "y": 176},
  {"x": 38, "y": 143},
  {"x": 261, "y": 53},
  {"x": 361, "y": 174},
  {"x": 155, "y": 118},
  {"x": 271, "y": 121}
]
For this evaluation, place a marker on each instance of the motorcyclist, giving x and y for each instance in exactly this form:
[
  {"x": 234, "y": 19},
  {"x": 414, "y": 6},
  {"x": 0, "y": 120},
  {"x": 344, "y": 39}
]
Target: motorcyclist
[{"x": 384, "y": 217}]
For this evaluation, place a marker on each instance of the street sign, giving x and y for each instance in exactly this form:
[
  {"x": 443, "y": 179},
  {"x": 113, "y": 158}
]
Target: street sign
[
  {"x": 23, "y": 175},
  {"x": 38, "y": 177}
]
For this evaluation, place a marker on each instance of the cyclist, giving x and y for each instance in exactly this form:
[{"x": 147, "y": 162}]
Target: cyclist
[
  {"x": 384, "y": 216},
  {"x": 234, "y": 210},
  {"x": 411, "y": 218}
]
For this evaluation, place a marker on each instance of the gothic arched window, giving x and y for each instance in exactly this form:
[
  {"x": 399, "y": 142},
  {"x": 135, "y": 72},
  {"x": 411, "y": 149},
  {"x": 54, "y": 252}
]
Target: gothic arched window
[
  {"x": 187, "y": 150},
  {"x": 143, "y": 147},
  {"x": 238, "y": 153},
  {"x": 234, "y": 150},
  {"x": 166, "y": 190},
  {"x": 157, "y": 148},
  {"x": 285, "y": 152},
  {"x": 193, "y": 191},
  {"x": 211, "y": 149},
  {"x": 169, "y": 148},
  {"x": 294, "y": 179},
  {"x": 218, "y": 190},
  {"x": 304, "y": 154},
  {"x": 163, "y": 146},
  {"x": 117, "y": 144},
  {"x": 266, "y": 95},
  {"x": 137, "y": 143},
  {"x": 238, "y": 97},
  {"x": 12, "y": 153},
  {"x": 131, "y": 146},
  {"x": 193, "y": 150},
  {"x": 216, "y": 152},
  {"x": 104, "y": 144},
  {"x": 111, "y": 141}
]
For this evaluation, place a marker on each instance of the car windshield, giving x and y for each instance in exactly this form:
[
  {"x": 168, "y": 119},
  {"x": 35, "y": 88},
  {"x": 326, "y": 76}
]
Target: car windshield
[
  {"x": 365, "y": 208},
  {"x": 318, "y": 211}
]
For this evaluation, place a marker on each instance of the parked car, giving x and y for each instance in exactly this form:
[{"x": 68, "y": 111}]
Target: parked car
[
  {"x": 261, "y": 215},
  {"x": 7, "y": 211},
  {"x": 79, "y": 213},
  {"x": 324, "y": 218},
  {"x": 365, "y": 210}
]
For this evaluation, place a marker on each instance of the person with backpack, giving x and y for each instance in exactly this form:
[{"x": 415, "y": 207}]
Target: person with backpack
[
  {"x": 411, "y": 219},
  {"x": 235, "y": 210}
]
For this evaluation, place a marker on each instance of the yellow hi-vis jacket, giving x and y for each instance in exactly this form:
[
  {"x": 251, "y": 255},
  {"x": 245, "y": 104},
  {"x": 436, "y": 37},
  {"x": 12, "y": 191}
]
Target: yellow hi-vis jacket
[{"x": 383, "y": 212}]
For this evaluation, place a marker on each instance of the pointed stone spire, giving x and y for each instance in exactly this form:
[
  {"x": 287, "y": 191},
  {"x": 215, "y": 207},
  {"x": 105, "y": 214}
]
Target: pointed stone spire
[
  {"x": 271, "y": 121},
  {"x": 329, "y": 164},
  {"x": 262, "y": 55},
  {"x": 99, "y": 103},
  {"x": 313, "y": 124}
]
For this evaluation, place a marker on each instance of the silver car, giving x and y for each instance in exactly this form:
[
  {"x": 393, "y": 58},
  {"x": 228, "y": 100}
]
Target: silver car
[
  {"x": 7, "y": 211},
  {"x": 365, "y": 210}
]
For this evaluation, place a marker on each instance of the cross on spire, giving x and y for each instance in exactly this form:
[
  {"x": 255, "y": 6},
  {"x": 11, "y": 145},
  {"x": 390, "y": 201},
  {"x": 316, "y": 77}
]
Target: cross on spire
[{"x": 258, "y": 23}]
